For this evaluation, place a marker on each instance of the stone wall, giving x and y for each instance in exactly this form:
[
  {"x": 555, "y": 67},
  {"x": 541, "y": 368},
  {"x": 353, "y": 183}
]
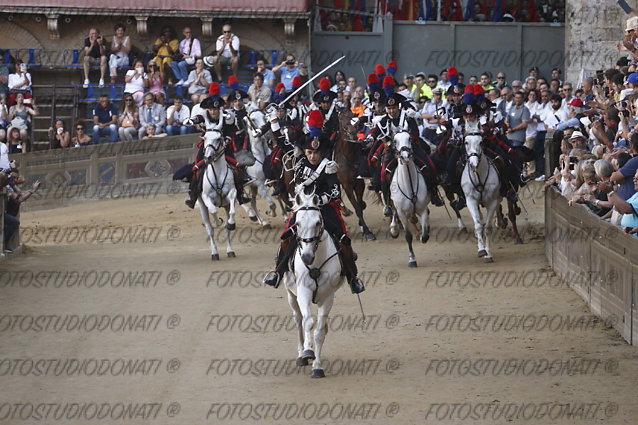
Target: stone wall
[{"x": 592, "y": 30}]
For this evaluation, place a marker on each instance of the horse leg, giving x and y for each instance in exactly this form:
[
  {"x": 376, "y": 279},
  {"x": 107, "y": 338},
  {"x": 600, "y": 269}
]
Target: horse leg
[
  {"x": 251, "y": 209},
  {"x": 365, "y": 231},
  {"x": 292, "y": 300},
  {"x": 472, "y": 206},
  {"x": 408, "y": 235},
  {"x": 272, "y": 211},
  {"x": 308, "y": 323},
  {"x": 229, "y": 249},
  {"x": 320, "y": 334},
  {"x": 449, "y": 194},
  {"x": 511, "y": 213},
  {"x": 232, "y": 196},
  {"x": 209, "y": 229},
  {"x": 394, "y": 227},
  {"x": 425, "y": 226}
]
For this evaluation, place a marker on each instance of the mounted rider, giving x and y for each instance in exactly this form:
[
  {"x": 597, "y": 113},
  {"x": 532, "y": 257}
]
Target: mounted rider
[
  {"x": 400, "y": 116},
  {"x": 317, "y": 174},
  {"x": 214, "y": 117},
  {"x": 324, "y": 98}
]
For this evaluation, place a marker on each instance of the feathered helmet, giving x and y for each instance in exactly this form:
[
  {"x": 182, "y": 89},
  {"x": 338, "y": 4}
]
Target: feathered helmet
[
  {"x": 324, "y": 94},
  {"x": 236, "y": 93},
  {"x": 279, "y": 93},
  {"x": 213, "y": 101},
  {"x": 388, "y": 86},
  {"x": 315, "y": 124},
  {"x": 391, "y": 68},
  {"x": 453, "y": 75},
  {"x": 379, "y": 71},
  {"x": 374, "y": 85}
]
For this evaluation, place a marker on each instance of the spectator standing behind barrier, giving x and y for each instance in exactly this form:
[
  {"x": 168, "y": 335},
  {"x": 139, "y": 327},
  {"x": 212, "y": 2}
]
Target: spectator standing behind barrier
[
  {"x": 226, "y": 52},
  {"x": 136, "y": 81},
  {"x": 104, "y": 120},
  {"x": 288, "y": 70},
  {"x": 120, "y": 48},
  {"x": 19, "y": 83},
  {"x": 191, "y": 50},
  {"x": 94, "y": 51},
  {"x": 80, "y": 138},
  {"x": 58, "y": 135},
  {"x": 517, "y": 119},
  {"x": 269, "y": 76},
  {"x": 165, "y": 47},
  {"x": 4, "y": 75},
  {"x": 628, "y": 208},
  {"x": 128, "y": 120},
  {"x": 258, "y": 94},
  {"x": 20, "y": 115},
  {"x": 198, "y": 81},
  {"x": 176, "y": 114},
  {"x": 15, "y": 197},
  {"x": 151, "y": 113}
]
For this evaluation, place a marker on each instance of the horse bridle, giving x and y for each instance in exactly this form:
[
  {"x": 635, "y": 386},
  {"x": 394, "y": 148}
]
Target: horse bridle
[
  {"x": 219, "y": 150},
  {"x": 315, "y": 239},
  {"x": 217, "y": 153},
  {"x": 412, "y": 198},
  {"x": 478, "y": 185}
]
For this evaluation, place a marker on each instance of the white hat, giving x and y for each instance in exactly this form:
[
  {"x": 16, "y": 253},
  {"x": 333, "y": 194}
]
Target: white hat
[
  {"x": 577, "y": 134},
  {"x": 508, "y": 16},
  {"x": 632, "y": 23},
  {"x": 208, "y": 61}
]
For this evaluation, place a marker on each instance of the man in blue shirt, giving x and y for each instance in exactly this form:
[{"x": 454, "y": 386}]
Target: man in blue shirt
[
  {"x": 288, "y": 70},
  {"x": 628, "y": 208},
  {"x": 624, "y": 175},
  {"x": 269, "y": 76},
  {"x": 104, "y": 119}
]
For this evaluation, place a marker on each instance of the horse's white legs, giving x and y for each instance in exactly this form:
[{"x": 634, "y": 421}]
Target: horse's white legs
[
  {"x": 296, "y": 312},
  {"x": 473, "y": 207},
  {"x": 304, "y": 297},
  {"x": 394, "y": 226},
  {"x": 209, "y": 229},
  {"x": 408, "y": 235},
  {"x": 272, "y": 211},
  {"x": 320, "y": 334},
  {"x": 232, "y": 196},
  {"x": 425, "y": 226}
]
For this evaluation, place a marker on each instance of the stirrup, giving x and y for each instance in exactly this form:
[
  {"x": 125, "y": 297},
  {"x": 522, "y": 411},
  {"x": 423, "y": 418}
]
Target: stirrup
[
  {"x": 272, "y": 278},
  {"x": 356, "y": 286},
  {"x": 190, "y": 203}
]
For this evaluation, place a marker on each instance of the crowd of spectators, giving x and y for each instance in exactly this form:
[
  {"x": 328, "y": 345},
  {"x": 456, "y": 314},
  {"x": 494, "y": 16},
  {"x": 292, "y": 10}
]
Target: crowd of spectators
[{"x": 428, "y": 10}]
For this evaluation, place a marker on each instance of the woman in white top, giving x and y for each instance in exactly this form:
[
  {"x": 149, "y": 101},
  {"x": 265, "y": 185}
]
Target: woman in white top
[
  {"x": 120, "y": 48},
  {"x": 136, "y": 80},
  {"x": 19, "y": 82},
  {"x": 198, "y": 81}
]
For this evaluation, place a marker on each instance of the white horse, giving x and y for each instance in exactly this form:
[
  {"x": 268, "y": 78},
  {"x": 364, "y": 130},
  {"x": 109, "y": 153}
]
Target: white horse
[
  {"x": 409, "y": 194},
  {"x": 256, "y": 120},
  {"x": 314, "y": 276},
  {"x": 218, "y": 190},
  {"x": 481, "y": 185}
]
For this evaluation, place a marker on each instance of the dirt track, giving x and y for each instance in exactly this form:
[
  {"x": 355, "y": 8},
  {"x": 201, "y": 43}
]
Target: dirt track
[{"x": 137, "y": 325}]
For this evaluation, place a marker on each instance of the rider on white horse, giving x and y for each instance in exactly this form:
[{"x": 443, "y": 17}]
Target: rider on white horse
[
  {"x": 400, "y": 118},
  {"x": 316, "y": 174},
  {"x": 212, "y": 118}
]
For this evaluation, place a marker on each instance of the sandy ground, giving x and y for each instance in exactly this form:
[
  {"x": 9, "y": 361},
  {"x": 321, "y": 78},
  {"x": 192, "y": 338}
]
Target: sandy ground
[{"x": 115, "y": 314}]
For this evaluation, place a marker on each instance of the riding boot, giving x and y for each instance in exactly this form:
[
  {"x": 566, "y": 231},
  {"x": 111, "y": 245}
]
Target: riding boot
[
  {"x": 430, "y": 182},
  {"x": 281, "y": 187},
  {"x": 385, "y": 189},
  {"x": 239, "y": 185},
  {"x": 283, "y": 255},
  {"x": 193, "y": 191},
  {"x": 347, "y": 256}
]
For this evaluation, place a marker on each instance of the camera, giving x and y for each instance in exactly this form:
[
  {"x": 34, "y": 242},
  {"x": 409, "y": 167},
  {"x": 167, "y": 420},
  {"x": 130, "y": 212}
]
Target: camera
[
  {"x": 290, "y": 62},
  {"x": 23, "y": 67}
]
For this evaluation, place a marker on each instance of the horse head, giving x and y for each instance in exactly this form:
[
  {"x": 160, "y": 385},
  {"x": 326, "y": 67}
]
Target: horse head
[
  {"x": 473, "y": 143},
  {"x": 213, "y": 145},
  {"x": 258, "y": 118},
  {"x": 403, "y": 147},
  {"x": 309, "y": 224}
]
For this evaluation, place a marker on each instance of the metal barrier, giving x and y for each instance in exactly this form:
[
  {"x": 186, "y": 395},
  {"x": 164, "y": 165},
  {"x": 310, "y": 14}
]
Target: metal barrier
[{"x": 596, "y": 259}]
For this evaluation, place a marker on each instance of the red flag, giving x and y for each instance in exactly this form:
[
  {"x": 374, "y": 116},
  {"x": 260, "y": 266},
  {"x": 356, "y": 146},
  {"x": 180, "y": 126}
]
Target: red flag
[
  {"x": 531, "y": 14},
  {"x": 357, "y": 25},
  {"x": 457, "y": 14}
]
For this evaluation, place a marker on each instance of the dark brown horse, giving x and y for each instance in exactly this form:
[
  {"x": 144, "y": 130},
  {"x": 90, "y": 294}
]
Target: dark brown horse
[{"x": 347, "y": 154}]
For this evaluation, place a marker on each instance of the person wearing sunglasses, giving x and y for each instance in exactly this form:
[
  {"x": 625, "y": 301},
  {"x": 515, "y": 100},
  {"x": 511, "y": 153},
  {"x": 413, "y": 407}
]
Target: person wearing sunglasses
[
  {"x": 128, "y": 120},
  {"x": 80, "y": 138},
  {"x": 226, "y": 52}
]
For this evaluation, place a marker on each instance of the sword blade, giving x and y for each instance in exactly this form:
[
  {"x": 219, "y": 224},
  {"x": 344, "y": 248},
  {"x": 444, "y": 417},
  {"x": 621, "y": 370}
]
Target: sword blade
[{"x": 311, "y": 80}]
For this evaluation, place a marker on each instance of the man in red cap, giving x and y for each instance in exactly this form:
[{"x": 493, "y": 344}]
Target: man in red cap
[
  {"x": 316, "y": 174},
  {"x": 575, "y": 112}
]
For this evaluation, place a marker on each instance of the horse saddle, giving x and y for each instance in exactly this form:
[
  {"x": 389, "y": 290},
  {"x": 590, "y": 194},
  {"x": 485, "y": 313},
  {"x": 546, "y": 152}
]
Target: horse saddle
[{"x": 244, "y": 157}]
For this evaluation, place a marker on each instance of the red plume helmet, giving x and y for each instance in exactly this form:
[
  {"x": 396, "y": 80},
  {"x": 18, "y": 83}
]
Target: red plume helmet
[
  {"x": 213, "y": 89},
  {"x": 296, "y": 82},
  {"x": 233, "y": 83},
  {"x": 324, "y": 85}
]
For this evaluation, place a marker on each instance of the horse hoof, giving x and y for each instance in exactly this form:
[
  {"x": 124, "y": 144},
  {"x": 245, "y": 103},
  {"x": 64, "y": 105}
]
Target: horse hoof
[
  {"x": 425, "y": 238},
  {"x": 363, "y": 205},
  {"x": 518, "y": 241},
  {"x": 369, "y": 236},
  {"x": 346, "y": 212},
  {"x": 231, "y": 226},
  {"x": 267, "y": 226},
  {"x": 462, "y": 231},
  {"x": 302, "y": 362},
  {"x": 219, "y": 221},
  {"x": 504, "y": 224},
  {"x": 482, "y": 253},
  {"x": 412, "y": 264},
  {"x": 308, "y": 355},
  {"x": 488, "y": 260},
  {"x": 231, "y": 254},
  {"x": 317, "y": 373},
  {"x": 214, "y": 257},
  {"x": 253, "y": 218},
  {"x": 394, "y": 234}
]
